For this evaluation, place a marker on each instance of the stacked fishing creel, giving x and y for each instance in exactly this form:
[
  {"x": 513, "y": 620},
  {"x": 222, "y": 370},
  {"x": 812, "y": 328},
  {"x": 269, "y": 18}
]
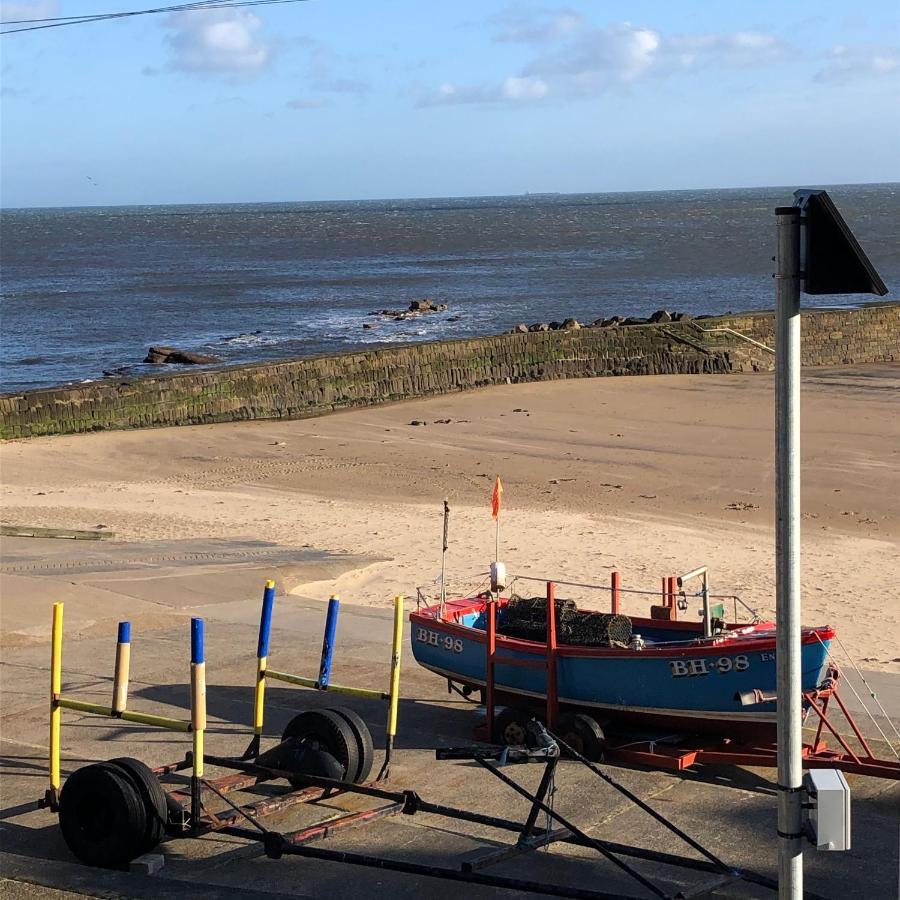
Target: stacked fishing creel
[
  {"x": 526, "y": 617},
  {"x": 595, "y": 629}
]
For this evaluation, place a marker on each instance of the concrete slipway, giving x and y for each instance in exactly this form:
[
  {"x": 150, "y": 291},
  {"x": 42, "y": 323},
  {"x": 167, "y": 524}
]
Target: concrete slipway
[{"x": 159, "y": 586}]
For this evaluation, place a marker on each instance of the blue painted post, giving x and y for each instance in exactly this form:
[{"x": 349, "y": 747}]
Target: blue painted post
[
  {"x": 198, "y": 716},
  {"x": 331, "y": 619},
  {"x": 123, "y": 663},
  {"x": 262, "y": 653},
  {"x": 197, "y": 655}
]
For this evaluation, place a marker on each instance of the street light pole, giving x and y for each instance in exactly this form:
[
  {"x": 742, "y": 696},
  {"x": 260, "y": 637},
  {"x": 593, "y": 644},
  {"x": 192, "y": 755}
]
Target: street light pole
[{"x": 787, "y": 553}]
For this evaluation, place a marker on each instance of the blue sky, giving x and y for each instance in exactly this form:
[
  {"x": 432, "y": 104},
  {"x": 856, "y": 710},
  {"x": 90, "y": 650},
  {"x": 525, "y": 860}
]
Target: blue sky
[{"x": 351, "y": 99}]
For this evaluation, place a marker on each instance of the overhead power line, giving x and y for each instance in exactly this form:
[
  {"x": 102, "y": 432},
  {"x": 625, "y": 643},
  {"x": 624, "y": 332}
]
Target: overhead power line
[{"x": 60, "y": 21}]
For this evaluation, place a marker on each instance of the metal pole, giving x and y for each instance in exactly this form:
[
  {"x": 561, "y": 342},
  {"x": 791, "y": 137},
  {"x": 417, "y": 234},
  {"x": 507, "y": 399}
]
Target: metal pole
[
  {"x": 787, "y": 552},
  {"x": 262, "y": 661},
  {"x": 331, "y": 620},
  {"x": 394, "y": 688},
  {"x": 444, "y": 554}
]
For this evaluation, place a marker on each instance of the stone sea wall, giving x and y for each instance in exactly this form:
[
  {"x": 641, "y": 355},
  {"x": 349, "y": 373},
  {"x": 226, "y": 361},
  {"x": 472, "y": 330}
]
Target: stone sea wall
[{"x": 300, "y": 388}]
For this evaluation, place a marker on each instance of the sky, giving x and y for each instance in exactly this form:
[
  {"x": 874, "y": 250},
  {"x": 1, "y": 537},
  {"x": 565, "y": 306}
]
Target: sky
[{"x": 354, "y": 99}]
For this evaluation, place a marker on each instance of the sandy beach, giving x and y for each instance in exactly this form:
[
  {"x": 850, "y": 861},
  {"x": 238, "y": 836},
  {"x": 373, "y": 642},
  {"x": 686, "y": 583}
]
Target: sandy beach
[{"x": 652, "y": 476}]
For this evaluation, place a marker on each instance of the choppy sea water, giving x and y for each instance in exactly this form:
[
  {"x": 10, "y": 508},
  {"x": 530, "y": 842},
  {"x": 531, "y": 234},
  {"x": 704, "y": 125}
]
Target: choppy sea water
[{"x": 90, "y": 289}]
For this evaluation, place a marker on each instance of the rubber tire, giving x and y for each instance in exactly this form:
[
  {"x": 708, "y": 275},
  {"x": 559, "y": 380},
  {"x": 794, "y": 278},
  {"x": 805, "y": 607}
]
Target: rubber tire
[
  {"x": 582, "y": 733},
  {"x": 364, "y": 744},
  {"x": 102, "y": 816},
  {"x": 321, "y": 763},
  {"x": 510, "y": 727},
  {"x": 153, "y": 795},
  {"x": 330, "y": 732}
]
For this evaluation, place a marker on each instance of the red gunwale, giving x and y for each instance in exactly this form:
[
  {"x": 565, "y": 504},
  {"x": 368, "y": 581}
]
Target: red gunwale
[{"x": 458, "y": 608}]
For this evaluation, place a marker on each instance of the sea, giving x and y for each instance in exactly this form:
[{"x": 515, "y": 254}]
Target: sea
[{"x": 86, "y": 291}]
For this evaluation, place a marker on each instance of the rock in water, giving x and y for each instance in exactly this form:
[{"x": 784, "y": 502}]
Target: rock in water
[
  {"x": 661, "y": 315},
  {"x": 167, "y": 355}
]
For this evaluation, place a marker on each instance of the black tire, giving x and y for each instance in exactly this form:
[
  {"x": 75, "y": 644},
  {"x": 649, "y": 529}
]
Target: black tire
[
  {"x": 320, "y": 763},
  {"x": 364, "y": 745},
  {"x": 153, "y": 795},
  {"x": 102, "y": 816},
  {"x": 511, "y": 726},
  {"x": 325, "y": 730},
  {"x": 582, "y": 733}
]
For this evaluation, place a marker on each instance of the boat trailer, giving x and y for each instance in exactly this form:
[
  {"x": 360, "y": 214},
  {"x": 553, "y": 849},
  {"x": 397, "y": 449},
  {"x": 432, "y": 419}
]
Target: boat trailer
[
  {"x": 112, "y": 812},
  {"x": 673, "y": 752}
]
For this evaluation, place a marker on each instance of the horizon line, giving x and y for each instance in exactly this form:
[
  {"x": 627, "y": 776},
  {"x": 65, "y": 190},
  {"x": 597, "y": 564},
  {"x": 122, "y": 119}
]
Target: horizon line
[{"x": 451, "y": 196}]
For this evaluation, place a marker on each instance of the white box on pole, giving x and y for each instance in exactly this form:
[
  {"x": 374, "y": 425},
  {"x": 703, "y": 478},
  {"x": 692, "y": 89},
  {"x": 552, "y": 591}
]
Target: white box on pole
[{"x": 829, "y": 813}]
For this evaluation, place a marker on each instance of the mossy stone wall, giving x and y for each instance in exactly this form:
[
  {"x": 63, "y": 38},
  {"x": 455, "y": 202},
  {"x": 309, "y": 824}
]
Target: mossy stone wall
[{"x": 300, "y": 388}]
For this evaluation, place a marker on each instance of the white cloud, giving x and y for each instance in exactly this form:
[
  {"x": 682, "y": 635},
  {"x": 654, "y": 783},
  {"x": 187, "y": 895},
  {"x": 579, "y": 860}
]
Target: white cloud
[
  {"x": 852, "y": 63},
  {"x": 576, "y": 59},
  {"x": 512, "y": 90},
  {"x": 535, "y": 26},
  {"x": 21, "y": 10},
  {"x": 218, "y": 41},
  {"x": 524, "y": 88}
]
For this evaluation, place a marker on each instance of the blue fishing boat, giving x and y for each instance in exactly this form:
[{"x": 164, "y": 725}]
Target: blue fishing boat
[{"x": 692, "y": 676}]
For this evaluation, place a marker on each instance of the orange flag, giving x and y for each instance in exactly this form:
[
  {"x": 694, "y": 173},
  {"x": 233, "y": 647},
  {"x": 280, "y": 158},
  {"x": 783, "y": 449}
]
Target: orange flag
[{"x": 495, "y": 498}]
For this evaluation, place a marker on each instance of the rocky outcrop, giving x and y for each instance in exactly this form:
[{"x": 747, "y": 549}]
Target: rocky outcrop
[
  {"x": 416, "y": 308},
  {"x": 167, "y": 355}
]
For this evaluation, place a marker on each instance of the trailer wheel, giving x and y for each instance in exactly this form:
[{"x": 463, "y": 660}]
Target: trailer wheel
[
  {"x": 511, "y": 726},
  {"x": 152, "y": 795},
  {"x": 364, "y": 745},
  {"x": 324, "y": 729},
  {"x": 582, "y": 733},
  {"x": 102, "y": 816},
  {"x": 318, "y": 762}
]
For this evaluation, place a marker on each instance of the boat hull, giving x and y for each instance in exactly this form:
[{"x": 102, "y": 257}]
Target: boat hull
[{"x": 690, "y": 688}]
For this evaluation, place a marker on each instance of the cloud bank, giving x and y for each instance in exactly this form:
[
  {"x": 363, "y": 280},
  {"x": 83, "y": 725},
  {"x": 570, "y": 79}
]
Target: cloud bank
[
  {"x": 217, "y": 42},
  {"x": 571, "y": 58}
]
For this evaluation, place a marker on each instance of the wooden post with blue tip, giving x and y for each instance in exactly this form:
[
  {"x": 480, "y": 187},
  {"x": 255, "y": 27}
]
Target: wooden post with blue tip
[
  {"x": 262, "y": 658},
  {"x": 394, "y": 688},
  {"x": 123, "y": 665},
  {"x": 198, "y": 716}
]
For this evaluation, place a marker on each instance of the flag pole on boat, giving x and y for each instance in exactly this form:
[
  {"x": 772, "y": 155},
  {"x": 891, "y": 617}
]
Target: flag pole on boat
[
  {"x": 498, "y": 570},
  {"x": 444, "y": 554}
]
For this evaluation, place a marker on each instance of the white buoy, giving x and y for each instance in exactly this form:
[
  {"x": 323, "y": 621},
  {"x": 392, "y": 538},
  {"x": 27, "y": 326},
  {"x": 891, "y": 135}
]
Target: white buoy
[{"x": 498, "y": 576}]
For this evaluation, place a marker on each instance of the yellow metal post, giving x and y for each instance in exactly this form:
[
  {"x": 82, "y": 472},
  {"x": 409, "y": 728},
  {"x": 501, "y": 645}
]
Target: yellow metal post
[
  {"x": 394, "y": 686},
  {"x": 259, "y": 703},
  {"x": 55, "y": 691}
]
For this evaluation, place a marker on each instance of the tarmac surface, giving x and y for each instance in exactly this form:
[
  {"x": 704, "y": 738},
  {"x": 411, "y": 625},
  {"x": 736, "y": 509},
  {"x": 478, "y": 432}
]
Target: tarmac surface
[{"x": 731, "y": 811}]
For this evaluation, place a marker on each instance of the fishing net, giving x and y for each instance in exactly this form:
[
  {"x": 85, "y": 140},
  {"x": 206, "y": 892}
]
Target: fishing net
[{"x": 526, "y": 617}]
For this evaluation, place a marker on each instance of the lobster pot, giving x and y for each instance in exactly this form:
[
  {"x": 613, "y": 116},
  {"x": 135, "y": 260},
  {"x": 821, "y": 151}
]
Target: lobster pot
[
  {"x": 526, "y": 617},
  {"x": 597, "y": 630}
]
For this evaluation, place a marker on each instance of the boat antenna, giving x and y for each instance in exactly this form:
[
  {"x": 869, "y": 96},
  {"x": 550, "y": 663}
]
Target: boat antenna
[{"x": 444, "y": 555}]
